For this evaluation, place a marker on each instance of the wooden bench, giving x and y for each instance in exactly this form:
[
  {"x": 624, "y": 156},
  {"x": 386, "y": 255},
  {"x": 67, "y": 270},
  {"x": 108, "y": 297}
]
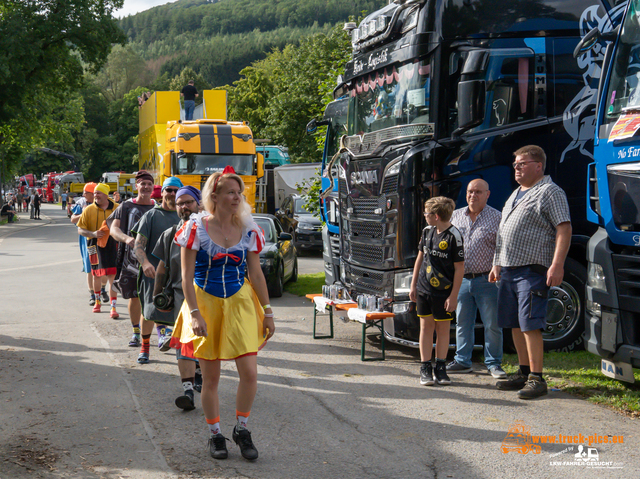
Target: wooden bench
[{"x": 371, "y": 320}]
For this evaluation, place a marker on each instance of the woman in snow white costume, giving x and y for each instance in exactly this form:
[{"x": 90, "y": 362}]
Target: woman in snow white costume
[{"x": 224, "y": 317}]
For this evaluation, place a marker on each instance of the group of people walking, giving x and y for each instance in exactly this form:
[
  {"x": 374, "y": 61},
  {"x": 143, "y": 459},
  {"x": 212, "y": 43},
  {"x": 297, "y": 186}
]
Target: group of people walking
[
  {"x": 464, "y": 253},
  {"x": 181, "y": 266}
]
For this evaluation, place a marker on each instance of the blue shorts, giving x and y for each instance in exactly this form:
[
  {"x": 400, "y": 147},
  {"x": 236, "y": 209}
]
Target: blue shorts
[
  {"x": 522, "y": 299},
  {"x": 86, "y": 264}
]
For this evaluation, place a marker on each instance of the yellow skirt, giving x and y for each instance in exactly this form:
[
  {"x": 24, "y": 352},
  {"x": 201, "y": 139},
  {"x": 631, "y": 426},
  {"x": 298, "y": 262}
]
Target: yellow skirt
[{"x": 234, "y": 326}]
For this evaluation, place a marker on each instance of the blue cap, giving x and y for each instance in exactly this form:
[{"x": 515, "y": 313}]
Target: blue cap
[{"x": 172, "y": 181}]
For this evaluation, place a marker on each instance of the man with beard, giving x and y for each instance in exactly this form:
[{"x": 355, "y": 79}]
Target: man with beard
[
  {"x": 101, "y": 246},
  {"x": 152, "y": 224},
  {"x": 120, "y": 224},
  {"x": 187, "y": 202}
]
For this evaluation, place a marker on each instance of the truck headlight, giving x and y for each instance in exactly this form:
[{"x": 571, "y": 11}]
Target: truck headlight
[
  {"x": 393, "y": 170},
  {"x": 400, "y": 308},
  {"x": 266, "y": 262},
  {"x": 402, "y": 283},
  {"x": 595, "y": 277},
  {"x": 305, "y": 227}
]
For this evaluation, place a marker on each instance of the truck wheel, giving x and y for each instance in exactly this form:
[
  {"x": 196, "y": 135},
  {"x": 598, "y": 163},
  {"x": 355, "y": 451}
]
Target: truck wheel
[
  {"x": 565, "y": 311},
  {"x": 278, "y": 286}
]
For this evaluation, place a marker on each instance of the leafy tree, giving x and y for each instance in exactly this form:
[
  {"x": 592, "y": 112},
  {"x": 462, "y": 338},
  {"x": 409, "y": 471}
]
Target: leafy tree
[
  {"x": 125, "y": 70},
  {"x": 179, "y": 81}
]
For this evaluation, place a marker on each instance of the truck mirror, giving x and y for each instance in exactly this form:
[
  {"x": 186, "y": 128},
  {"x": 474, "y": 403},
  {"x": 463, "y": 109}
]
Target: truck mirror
[
  {"x": 587, "y": 42},
  {"x": 260, "y": 166},
  {"x": 471, "y": 96},
  {"x": 312, "y": 127}
]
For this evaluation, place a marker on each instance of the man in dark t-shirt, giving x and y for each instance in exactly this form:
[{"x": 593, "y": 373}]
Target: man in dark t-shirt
[{"x": 189, "y": 93}]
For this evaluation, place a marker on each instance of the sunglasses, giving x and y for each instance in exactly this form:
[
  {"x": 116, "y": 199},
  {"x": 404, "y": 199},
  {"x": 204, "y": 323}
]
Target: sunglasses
[{"x": 171, "y": 190}]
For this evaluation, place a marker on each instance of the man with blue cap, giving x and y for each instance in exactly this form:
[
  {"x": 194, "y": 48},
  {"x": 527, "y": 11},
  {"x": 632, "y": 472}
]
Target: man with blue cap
[
  {"x": 169, "y": 283},
  {"x": 148, "y": 230}
]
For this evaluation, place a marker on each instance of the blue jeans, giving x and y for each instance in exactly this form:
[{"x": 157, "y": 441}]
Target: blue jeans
[
  {"x": 478, "y": 294},
  {"x": 189, "y": 106}
]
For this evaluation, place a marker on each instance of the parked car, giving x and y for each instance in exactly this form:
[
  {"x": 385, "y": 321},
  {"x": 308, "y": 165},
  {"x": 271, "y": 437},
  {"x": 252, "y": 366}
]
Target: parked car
[
  {"x": 305, "y": 228},
  {"x": 278, "y": 258}
]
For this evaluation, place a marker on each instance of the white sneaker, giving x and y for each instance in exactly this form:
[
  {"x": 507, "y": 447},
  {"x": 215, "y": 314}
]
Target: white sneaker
[{"x": 497, "y": 372}]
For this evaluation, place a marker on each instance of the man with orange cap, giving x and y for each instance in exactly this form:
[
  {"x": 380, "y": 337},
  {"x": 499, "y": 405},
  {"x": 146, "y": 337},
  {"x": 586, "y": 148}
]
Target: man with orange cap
[
  {"x": 76, "y": 212},
  {"x": 102, "y": 248}
]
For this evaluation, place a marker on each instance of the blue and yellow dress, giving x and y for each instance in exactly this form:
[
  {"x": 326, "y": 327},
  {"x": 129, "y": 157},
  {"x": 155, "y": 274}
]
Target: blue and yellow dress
[{"x": 227, "y": 302}]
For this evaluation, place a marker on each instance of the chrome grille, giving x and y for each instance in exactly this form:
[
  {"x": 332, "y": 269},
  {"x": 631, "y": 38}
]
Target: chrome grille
[
  {"x": 342, "y": 187},
  {"x": 390, "y": 185},
  {"x": 368, "y": 230},
  {"x": 365, "y": 253},
  {"x": 628, "y": 279},
  {"x": 334, "y": 240},
  {"x": 362, "y": 279},
  {"x": 367, "y": 143},
  {"x": 365, "y": 206}
]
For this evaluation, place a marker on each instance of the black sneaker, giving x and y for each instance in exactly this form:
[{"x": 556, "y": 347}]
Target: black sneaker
[
  {"x": 186, "y": 401},
  {"x": 105, "y": 297},
  {"x": 92, "y": 301},
  {"x": 514, "y": 383},
  {"x": 535, "y": 387},
  {"x": 440, "y": 374},
  {"x": 426, "y": 375},
  {"x": 218, "y": 446},
  {"x": 242, "y": 437},
  {"x": 456, "y": 367}
]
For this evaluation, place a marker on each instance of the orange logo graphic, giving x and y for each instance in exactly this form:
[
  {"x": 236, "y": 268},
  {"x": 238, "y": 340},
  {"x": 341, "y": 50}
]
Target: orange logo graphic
[{"x": 519, "y": 440}]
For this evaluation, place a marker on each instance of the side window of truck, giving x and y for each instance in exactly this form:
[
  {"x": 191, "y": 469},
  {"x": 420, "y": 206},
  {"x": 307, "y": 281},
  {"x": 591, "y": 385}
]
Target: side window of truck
[{"x": 510, "y": 90}]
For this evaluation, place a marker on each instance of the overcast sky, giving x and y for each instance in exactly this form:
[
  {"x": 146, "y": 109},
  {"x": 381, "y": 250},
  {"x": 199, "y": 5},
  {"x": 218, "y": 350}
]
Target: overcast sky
[{"x": 134, "y": 6}]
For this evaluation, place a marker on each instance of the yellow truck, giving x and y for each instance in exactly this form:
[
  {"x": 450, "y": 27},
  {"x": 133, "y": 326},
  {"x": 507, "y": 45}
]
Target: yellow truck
[{"x": 194, "y": 150}]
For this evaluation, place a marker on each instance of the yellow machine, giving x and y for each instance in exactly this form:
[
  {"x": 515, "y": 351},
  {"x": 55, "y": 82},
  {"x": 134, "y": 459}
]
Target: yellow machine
[{"x": 193, "y": 150}]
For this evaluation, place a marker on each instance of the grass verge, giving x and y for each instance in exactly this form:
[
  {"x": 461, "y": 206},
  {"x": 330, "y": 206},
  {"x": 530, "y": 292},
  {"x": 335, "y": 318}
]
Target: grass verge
[
  {"x": 578, "y": 373},
  {"x": 306, "y": 284}
]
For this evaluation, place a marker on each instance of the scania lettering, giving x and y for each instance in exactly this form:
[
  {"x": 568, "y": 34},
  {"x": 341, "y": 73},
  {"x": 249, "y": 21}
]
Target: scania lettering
[{"x": 442, "y": 92}]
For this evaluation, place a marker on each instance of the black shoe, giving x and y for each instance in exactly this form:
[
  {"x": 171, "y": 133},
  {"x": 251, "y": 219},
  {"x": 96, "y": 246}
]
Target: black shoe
[
  {"x": 92, "y": 301},
  {"x": 197, "y": 381},
  {"x": 186, "y": 401},
  {"x": 105, "y": 297},
  {"x": 440, "y": 374},
  {"x": 533, "y": 388},
  {"x": 218, "y": 446},
  {"x": 426, "y": 375},
  {"x": 514, "y": 383},
  {"x": 456, "y": 367},
  {"x": 242, "y": 437}
]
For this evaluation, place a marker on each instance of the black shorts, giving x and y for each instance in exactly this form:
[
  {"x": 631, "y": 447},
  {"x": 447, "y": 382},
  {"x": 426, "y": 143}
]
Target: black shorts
[{"x": 432, "y": 305}]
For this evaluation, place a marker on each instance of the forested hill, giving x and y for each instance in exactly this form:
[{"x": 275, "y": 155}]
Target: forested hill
[{"x": 217, "y": 38}]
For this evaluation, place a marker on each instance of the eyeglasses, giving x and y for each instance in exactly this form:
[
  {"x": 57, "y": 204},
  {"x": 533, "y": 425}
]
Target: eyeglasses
[
  {"x": 171, "y": 190},
  {"x": 185, "y": 203},
  {"x": 518, "y": 165}
]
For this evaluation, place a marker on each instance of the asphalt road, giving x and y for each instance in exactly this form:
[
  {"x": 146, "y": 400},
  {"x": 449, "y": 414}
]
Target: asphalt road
[{"x": 75, "y": 403}]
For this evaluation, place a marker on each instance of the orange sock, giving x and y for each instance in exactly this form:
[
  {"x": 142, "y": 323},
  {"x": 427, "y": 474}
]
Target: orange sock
[
  {"x": 214, "y": 425},
  {"x": 242, "y": 417}
]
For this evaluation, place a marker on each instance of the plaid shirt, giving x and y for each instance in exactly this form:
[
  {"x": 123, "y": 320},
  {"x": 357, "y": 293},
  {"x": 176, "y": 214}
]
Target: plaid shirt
[
  {"x": 479, "y": 237},
  {"x": 527, "y": 233}
]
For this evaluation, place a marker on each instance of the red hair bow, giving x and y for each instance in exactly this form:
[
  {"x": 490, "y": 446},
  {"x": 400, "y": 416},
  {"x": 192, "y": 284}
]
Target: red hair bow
[{"x": 227, "y": 170}]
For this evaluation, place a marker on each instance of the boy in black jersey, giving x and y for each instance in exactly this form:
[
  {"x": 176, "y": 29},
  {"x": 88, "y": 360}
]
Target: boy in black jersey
[{"x": 437, "y": 276}]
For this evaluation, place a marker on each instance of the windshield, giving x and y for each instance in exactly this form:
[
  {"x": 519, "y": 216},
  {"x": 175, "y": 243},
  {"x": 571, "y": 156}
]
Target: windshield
[
  {"x": 192, "y": 164},
  {"x": 267, "y": 229},
  {"x": 299, "y": 207},
  {"x": 623, "y": 94},
  {"x": 391, "y": 97}
]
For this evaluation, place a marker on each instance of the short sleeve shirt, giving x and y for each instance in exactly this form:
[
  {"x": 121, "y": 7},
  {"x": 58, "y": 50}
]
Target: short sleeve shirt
[
  {"x": 152, "y": 224},
  {"x": 527, "y": 233},
  {"x": 479, "y": 237},
  {"x": 441, "y": 251},
  {"x": 189, "y": 92}
]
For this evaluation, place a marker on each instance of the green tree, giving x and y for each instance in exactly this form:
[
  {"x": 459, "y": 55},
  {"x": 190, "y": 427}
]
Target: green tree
[
  {"x": 124, "y": 71},
  {"x": 179, "y": 81}
]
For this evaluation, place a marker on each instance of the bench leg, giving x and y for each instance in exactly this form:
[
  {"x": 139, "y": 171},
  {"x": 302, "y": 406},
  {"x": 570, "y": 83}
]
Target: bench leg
[
  {"x": 315, "y": 317},
  {"x": 379, "y": 325}
]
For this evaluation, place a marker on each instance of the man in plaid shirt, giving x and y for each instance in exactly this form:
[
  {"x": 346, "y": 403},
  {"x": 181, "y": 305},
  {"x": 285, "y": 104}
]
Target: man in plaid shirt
[{"x": 531, "y": 247}]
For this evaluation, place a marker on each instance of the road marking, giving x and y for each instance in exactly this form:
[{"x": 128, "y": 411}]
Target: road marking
[{"x": 21, "y": 268}]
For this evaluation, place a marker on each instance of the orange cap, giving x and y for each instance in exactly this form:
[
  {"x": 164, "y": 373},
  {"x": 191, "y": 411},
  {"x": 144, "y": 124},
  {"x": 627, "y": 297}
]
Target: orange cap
[{"x": 90, "y": 187}]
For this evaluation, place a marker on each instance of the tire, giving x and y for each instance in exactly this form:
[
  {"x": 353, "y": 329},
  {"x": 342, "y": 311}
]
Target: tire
[
  {"x": 566, "y": 310},
  {"x": 294, "y": 275},
  {"x": 278, "y": 287}
]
